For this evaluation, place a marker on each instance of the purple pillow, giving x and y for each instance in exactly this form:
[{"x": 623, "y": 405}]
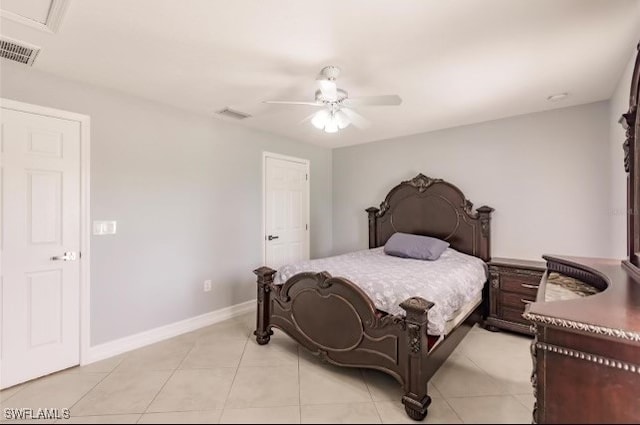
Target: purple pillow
[{"x": 406, "y": 245}]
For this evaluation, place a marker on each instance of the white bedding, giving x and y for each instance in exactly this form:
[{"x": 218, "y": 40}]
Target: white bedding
[{"x": 450, "y": 282}]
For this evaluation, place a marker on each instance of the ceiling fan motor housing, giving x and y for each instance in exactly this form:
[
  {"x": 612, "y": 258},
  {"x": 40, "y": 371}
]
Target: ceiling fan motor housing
[
  {"x": 341, "y": 95},
  {"x": 330, "y": 72}
]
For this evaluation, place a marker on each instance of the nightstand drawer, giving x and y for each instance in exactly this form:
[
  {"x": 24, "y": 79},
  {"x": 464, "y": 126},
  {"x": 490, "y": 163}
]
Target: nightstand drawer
[
  {"x": 515, "y": 301},
  {"x": 520, "y": 283},
  {"x": 513, "y": 315},
  {"x": 513, "y": 284}
]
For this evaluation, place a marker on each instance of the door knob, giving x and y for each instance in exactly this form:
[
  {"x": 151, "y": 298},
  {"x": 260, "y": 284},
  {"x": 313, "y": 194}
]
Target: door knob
[
  {"x": 67, "y": 256},
  {"x": 271, "y": 237}
]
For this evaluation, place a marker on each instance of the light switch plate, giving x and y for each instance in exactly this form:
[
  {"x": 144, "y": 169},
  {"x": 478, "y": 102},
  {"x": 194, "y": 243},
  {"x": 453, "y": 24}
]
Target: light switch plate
[{"x": 104, "y": 228}]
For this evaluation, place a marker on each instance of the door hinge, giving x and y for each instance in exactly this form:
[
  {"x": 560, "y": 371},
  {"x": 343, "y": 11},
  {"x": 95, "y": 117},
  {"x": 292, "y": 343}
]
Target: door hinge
[
  {"x": 306, "y": 177},
  {"x": 306, "y": 227}
]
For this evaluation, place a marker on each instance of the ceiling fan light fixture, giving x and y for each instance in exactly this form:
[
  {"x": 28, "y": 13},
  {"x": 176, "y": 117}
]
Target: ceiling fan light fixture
[
  {"x": 336, "y": 107},
  {"x": 331, "y": 126},
  {"x": 342, "y": 120},
  {"x": 320, "y": 119}
]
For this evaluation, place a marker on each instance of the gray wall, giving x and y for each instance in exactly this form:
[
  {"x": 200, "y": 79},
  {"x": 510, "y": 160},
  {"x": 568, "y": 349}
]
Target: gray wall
[
  {"x": 186, "y": 192},
  {"x": 546, "y": 174},
  {"x": 618, "y": 105}
]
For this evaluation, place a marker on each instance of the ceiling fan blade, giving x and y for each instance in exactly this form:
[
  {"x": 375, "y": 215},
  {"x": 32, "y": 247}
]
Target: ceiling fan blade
[
  {"x": 328, "y": 89},
  {"x": 308, "y": 118},
  {"x": 385, "y": 100},
  {"x": 292, "y": 102},
  {"x": 355, "y": 118}
]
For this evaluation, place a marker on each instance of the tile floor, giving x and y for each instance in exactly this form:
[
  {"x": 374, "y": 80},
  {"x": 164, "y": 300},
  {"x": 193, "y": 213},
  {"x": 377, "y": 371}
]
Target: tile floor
[{"x": 220, "y": 375}]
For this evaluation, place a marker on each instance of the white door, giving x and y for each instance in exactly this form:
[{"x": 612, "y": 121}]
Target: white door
[
  {"x": 40, "y": 235},
  {"x": 286, "y": 211}
]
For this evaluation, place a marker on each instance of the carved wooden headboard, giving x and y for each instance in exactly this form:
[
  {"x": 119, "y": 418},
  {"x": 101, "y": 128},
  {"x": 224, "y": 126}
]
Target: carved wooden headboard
[{"x": 432, "y": 207}]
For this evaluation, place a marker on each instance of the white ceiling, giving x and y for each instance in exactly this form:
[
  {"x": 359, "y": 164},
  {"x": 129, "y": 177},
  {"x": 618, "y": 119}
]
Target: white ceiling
[
  {"x": 453, "y": 62},
  {"x": 36, "y": 10}
]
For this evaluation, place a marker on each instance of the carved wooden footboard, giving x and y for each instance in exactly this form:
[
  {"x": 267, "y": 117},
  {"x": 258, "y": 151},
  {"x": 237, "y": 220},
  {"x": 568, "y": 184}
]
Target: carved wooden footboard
[
  {"x": 312, "y": 307},
  {"x": 333, "y": 318}
]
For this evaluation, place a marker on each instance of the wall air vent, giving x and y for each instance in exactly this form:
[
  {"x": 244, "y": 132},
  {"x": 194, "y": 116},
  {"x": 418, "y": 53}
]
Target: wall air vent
[
  {"x": 230, "y": 113},
  {"x": 18, "y": 51}
]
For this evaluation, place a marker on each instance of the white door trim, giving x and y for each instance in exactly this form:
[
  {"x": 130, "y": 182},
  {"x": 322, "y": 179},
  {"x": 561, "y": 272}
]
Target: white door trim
[
  {"x": 306, "y": 162},
  {"x": 85, "y": 212}
]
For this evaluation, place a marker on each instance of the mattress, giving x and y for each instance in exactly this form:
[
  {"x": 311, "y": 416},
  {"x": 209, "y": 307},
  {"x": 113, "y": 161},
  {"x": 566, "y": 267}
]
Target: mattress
[
  {"x": 452, "y": 282},
  {"x": 462, "y": 313}
]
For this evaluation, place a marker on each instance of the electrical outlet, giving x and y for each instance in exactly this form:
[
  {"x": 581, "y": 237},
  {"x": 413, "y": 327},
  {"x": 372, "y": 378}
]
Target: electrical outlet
[{"x": 207, "y": 285}]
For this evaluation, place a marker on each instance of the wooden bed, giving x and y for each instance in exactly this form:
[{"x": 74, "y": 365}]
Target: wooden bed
[{"x": 334, "y": 319}]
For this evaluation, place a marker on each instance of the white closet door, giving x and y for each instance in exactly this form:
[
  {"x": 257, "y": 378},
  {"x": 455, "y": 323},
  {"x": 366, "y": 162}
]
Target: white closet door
[
  {"x": 287, "y": 211},
  {"x": 40, "y": 235}
]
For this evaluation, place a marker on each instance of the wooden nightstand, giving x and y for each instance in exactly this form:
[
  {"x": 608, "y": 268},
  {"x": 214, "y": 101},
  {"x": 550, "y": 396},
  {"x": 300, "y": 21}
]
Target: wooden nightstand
[{"x": 513, "y": 285}]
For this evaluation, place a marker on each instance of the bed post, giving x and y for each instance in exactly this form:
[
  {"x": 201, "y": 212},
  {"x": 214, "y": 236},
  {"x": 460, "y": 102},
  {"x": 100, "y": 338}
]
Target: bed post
[
  {"x": 265, "y": 279},
  {"x": 373, "y": 226},
  {"x": 416, "y": 400},
  {"x": 484, "y": 213}
]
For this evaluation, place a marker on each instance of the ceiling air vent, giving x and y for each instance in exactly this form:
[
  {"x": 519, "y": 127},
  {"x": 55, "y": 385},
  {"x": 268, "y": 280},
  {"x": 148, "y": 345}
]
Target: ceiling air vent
[
  {"x": 18, "y": 51},
  {"x": 230, "y": 113}
]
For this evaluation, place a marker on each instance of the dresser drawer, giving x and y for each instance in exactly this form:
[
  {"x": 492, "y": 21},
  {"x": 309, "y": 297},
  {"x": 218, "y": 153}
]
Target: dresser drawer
[{"x": 521, "y": 283}]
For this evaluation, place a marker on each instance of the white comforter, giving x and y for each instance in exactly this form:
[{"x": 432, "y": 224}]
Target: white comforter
[{"x": 449, "y": 282}]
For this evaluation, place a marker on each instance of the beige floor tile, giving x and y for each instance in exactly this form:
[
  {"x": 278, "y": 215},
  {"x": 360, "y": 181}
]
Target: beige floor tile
[
  {"x": 265, "y": 387},
  {"x": 193, "y": 417},
  {"x": 54, "y": 391},
  {"x": 350, "y": 413},
  {"x": 392, "y": 412},
  {"x": 514, "y": 377},
  {"x": 194, "y": 389},
  {"x": 383, "y": 387},
  {"x": 101, "y": 419},
  {"x": 165, "y": 355},
  {"x": 460, "y": 377},
  {"x": 102, "y": 366},
  {"x": 527, "y": 400},
  {"x": 279, "y": 352},
  {"x": 278, "y": 334},
  {"x": 27, "y": 421},
  {"x": 122, "y": 392},
  {"x": 248, "y": 320},
  {"x": 215, "y": 354},
  {"x": 504, "y": 356},
  {"x": 492, "y": 409},
  {"x": 10, "y": 392},
  {"x": 324, "y": 383},
  {"x": 484, "y": 343},
  {"x": 230, "y": 329},
  {"x": 262, "y": 415},
  {"x": 306, "y": 357}
]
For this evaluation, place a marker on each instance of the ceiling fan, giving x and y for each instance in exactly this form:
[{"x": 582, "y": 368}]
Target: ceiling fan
[{"x": 337, "y": 107}]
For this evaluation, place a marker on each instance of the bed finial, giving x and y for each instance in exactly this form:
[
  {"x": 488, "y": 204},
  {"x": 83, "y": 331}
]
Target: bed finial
[
  {"x": 422, "y": 182},
  {"x": 373, "y": 213},
  {"x": 484, "y": 213}
]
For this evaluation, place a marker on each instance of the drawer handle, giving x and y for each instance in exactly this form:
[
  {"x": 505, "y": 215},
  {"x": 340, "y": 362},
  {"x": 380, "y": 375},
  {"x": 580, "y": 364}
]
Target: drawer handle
[
  {"x": 526, "y": 285},
  {"x": 525, "y": 301}
]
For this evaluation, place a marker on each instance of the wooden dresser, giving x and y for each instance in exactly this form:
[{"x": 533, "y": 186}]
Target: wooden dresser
[
  {"x": 586, "y": 349},
  {"x": 514, "y": 284}
]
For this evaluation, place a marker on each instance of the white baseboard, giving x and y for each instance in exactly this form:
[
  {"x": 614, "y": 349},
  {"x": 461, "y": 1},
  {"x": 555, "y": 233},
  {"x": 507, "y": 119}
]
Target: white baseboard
[{"x": 128, "y": 343}]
